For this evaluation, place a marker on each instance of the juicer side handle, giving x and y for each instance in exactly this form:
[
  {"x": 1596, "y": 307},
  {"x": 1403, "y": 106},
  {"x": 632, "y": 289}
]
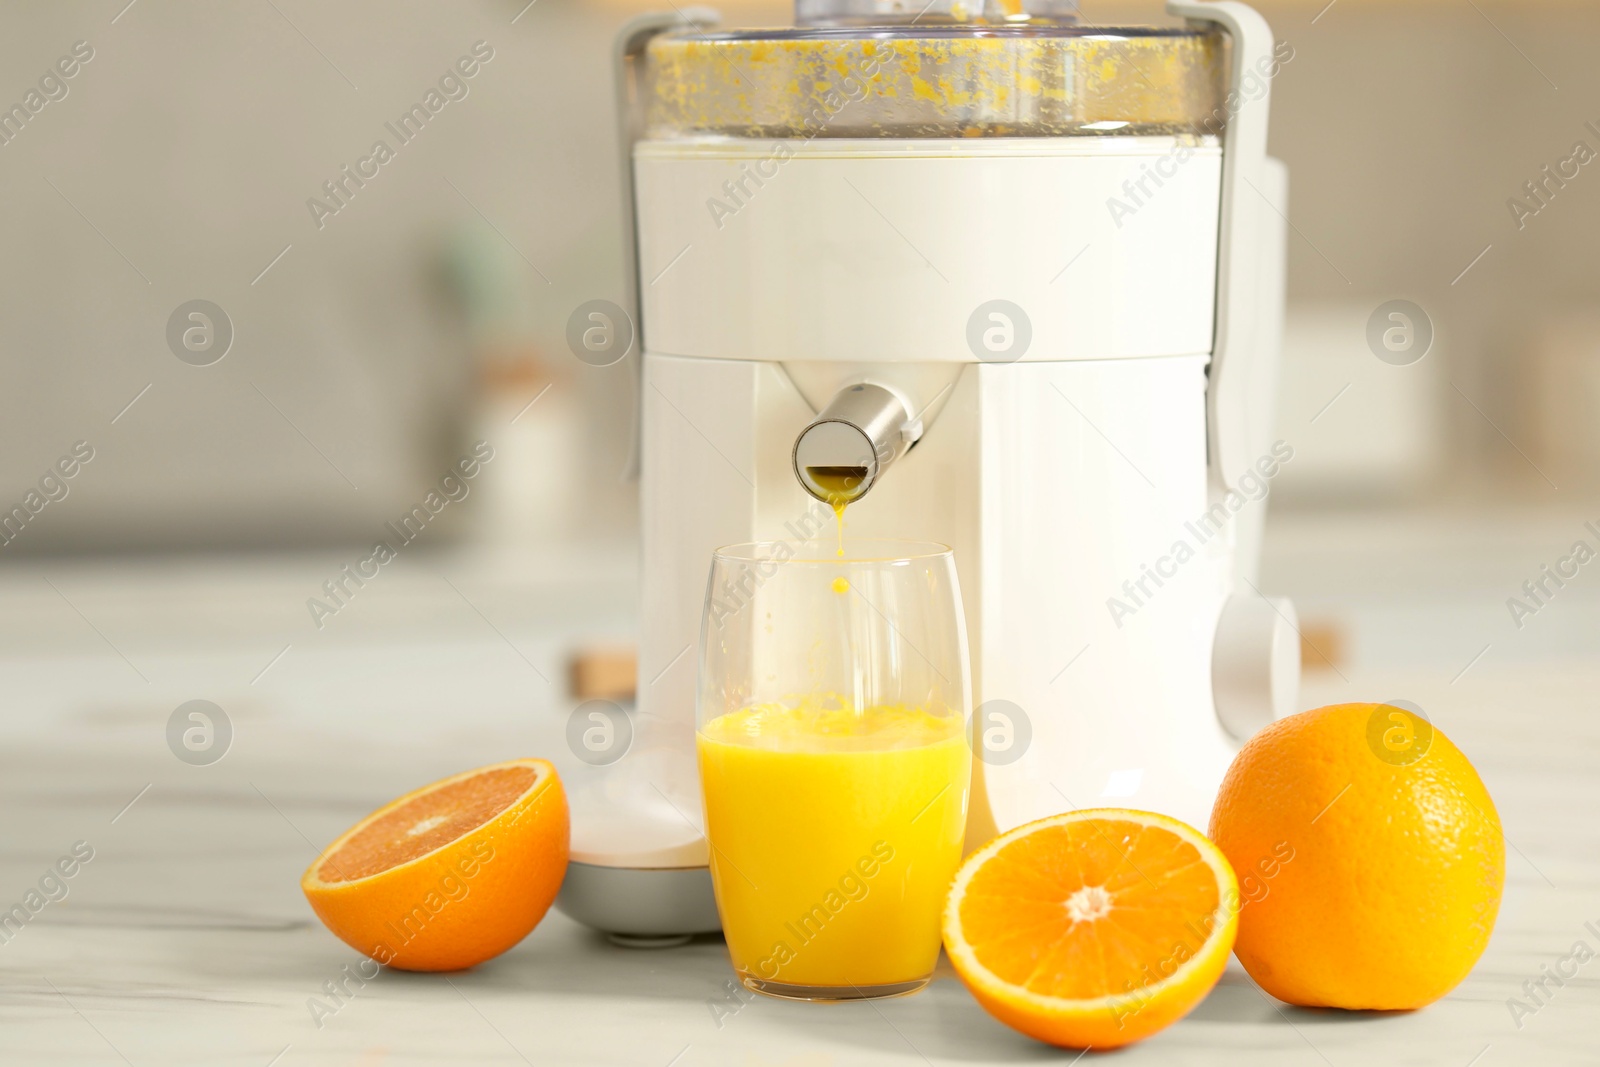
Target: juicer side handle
[
  {"x": 1237, "y": 354},
  {"x": 630, "y": 44}
]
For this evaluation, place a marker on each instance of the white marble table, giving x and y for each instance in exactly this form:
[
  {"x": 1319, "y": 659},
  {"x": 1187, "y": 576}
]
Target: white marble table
[{"x": 185, "y": 939}]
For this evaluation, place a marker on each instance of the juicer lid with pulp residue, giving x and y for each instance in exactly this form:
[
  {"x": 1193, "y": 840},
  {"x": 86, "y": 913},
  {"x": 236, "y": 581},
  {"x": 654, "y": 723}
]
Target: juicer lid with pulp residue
[{"x": 867, "y": 68}]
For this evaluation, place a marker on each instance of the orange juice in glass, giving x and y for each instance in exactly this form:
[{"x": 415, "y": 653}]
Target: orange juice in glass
[{"x": 834, "y": 765}]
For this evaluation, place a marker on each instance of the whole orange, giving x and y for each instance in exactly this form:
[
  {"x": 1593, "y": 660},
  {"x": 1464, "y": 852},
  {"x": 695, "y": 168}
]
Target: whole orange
[
  {"x": 448, "y": 875},
  {"x": 1369, "y": 855}
]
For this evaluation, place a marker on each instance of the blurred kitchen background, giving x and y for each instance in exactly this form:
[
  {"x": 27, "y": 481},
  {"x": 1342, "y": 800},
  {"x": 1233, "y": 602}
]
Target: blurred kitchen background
[{"x": 370, "y": 352}]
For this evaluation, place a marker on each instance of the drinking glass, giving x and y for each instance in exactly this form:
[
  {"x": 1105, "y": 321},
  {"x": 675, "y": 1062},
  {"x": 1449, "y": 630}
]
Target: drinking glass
[{"x": 834, "y": 766}]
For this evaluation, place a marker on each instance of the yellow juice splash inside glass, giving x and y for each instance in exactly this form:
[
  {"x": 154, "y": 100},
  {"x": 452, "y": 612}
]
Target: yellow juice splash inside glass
[{"x": 835, "y": 834}]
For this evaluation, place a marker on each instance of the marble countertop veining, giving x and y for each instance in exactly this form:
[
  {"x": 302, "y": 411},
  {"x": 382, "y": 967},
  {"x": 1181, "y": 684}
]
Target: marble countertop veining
[{"x": 185, "y": 940}]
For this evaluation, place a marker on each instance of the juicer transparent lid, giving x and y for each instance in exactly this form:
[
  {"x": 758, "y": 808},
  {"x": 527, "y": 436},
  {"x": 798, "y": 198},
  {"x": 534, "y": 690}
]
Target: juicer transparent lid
[{"x": 893, "y": 68}]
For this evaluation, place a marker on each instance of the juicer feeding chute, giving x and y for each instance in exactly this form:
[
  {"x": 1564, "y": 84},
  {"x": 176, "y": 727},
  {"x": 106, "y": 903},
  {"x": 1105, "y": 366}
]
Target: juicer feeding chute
[{"x": 960, "y": 12}]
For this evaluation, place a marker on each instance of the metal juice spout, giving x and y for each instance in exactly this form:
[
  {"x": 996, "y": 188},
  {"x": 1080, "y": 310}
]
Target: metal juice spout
[{"x": 847, "y": 447}]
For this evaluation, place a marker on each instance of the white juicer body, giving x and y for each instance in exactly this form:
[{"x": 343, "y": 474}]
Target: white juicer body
[{"x": 1096, "y": 486}]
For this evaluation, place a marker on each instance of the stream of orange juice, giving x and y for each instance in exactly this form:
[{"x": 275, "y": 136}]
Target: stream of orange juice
[
  {"x": 840, "y": 484},
  {"x": 834, "y": 834}
]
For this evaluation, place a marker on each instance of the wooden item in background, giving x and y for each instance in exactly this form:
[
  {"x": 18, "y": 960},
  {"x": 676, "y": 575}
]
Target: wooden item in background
[
  {"x": 603, "y": 673},
  {"x": 1322, "y": 645}
]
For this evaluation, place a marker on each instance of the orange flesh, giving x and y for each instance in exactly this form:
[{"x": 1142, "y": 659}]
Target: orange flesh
[
  {"x": 1145, "y": 900},
  {"x": 430, "y": 821}
]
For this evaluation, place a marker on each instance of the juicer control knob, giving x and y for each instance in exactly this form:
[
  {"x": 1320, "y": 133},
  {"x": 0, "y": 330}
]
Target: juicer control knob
[
  {"x": 846, "y": 448},
  {"x": 1255, "y": 663}
]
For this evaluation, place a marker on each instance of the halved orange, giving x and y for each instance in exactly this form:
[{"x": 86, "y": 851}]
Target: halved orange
[
  {"x": 451, "y": 874},
  {"x": 1095, "y": 928}
]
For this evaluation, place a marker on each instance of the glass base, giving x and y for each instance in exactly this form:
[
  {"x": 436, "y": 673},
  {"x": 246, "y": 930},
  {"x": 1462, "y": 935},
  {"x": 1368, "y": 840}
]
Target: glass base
[{"x": 790, "y": 991}]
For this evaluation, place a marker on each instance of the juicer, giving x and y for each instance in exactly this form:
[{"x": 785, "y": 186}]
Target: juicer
[{"x": 1001, "y": 279}]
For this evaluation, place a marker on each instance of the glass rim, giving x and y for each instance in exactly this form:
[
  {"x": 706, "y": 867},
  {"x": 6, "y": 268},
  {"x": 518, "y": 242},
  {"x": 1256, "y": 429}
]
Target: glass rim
[{"x": 857, "y": 550}]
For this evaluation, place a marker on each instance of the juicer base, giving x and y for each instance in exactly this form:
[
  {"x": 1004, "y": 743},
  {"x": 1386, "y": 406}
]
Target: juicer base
[
  {"x": 641, "y": 904},
  {"x": 649, "y": 940}
]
